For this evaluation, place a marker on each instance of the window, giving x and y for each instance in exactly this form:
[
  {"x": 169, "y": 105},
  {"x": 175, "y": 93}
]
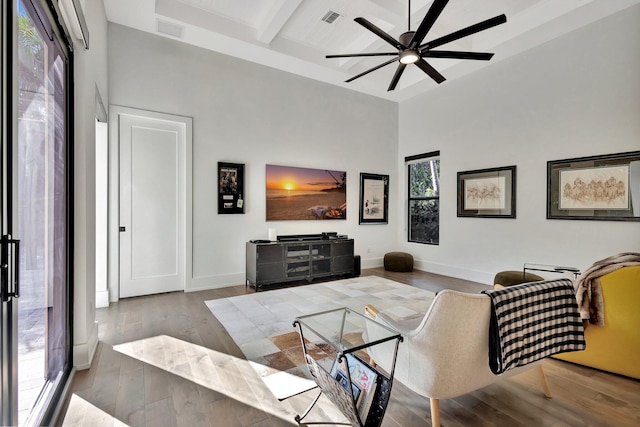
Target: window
[{"x": 424, "y": 197}]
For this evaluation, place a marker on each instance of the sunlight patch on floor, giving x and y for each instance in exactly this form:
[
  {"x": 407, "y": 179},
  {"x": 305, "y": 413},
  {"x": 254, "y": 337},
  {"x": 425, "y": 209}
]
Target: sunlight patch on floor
[
  {"x": 82, "y": 413},
  {"x": 225, "y": 374}
]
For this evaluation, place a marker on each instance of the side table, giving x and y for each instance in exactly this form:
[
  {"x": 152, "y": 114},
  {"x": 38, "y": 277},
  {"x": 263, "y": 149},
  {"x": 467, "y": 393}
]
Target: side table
[{"x": 549, "y": 268}]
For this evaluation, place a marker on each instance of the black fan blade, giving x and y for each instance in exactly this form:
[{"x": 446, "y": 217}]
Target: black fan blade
[
  {"x": 432, "y": 72},
  {"x": 396, "y": 77},
  {"x": 481, "y": 56},
  {"x": 349, "y": 55},
  {"x": 428, "y": 21},
  {"x": 371, "y": 69},
  {"x": 480, "y": 26},
  {"x": 378, "y": 32}
]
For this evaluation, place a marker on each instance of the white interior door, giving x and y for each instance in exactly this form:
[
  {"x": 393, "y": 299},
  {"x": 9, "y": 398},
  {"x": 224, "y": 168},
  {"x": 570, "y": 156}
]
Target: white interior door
[{"x": 152, "y": 204}]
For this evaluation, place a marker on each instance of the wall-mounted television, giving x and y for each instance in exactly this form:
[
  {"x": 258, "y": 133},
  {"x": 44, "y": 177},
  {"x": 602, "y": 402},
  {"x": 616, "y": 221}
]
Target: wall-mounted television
[{"x": 295, "y": 193}]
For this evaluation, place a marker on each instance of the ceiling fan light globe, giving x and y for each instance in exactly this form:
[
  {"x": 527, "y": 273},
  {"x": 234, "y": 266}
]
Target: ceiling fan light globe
[{"x": 409, "y": 57}]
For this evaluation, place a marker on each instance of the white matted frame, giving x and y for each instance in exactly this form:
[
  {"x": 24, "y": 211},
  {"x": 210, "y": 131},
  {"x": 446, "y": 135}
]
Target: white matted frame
[
  {"x": 487, "y": 193},
  {"x": 605, "y": 187},
  {"x": 374, "y": 198}
]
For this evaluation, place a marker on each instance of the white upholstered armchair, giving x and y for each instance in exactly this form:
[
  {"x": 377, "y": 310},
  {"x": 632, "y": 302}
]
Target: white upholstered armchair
[{"x": 445, "y": 352}]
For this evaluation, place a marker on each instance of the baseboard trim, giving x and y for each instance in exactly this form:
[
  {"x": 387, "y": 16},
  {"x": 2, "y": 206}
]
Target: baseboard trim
[
  {"x": 483, "y": 277},
  {"x": 215, "y": 282},
  {"x": 83, "y": 353},
  {"x": 371, "y": 262},
  {"x": 102, "y": 299}
]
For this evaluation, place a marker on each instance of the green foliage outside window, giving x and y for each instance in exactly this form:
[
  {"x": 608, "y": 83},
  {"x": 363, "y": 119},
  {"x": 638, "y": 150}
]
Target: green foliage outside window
[
  {"x": 424, "y": 200},
  {"x": 31, "y": 60},
  {"x": 424, "y": 178}
]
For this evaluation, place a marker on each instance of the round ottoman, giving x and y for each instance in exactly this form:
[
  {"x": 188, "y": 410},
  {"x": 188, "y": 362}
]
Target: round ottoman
[
  {"x": 398, "y": 261},
  {"x": 508, "y": 278}
]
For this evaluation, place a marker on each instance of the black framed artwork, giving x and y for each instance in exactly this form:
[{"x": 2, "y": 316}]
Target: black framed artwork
[
  {"x": 605, "y": 187},
  {"x": 487, "y": 193},
  {"x": 374, "y": 198},
  {"x": 230, "y": 188}
]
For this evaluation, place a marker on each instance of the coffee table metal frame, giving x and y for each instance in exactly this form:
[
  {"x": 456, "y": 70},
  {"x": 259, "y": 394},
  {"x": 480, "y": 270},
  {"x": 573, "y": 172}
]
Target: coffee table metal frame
[{"x": 333, "y": 327}]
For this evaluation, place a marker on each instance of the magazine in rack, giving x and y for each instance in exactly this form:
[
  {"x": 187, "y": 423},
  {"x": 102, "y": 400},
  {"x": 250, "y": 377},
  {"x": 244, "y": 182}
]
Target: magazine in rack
[
  {"x": 364, "y": 381},
  {"x": 344, "y": 382}
]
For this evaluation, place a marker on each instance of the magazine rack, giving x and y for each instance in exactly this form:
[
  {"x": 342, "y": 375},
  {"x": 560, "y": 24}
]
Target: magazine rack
[{"x": 335, "y": 346}]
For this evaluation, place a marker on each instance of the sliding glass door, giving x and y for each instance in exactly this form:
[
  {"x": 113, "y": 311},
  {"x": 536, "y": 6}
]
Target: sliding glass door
[{"x": 35, "y": 214}]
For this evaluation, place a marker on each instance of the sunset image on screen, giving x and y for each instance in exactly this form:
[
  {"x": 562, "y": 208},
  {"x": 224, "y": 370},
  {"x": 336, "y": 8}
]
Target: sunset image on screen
[{"x": 305, "y": 194}]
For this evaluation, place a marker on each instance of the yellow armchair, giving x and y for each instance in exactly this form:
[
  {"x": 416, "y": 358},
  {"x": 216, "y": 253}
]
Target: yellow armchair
[{"x": 615, "y": 347}]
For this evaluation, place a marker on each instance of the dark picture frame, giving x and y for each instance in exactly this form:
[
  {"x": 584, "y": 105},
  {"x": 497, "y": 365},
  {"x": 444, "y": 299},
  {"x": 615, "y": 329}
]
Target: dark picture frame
[
  {"x": 374, "y": 198},
  {"x": 604, "y": 187},
  {"x": 230, "y": 188},
  {"x": 487, "y": 193}
]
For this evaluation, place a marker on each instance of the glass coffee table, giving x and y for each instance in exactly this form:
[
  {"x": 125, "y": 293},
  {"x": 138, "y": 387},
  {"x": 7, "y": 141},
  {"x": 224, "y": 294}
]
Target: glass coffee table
[{"x": 335, "y": 344}]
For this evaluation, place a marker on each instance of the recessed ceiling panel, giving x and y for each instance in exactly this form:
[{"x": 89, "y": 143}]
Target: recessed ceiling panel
[
  {"x": 290, "y": 34},
  {"x": 246, "y": 12}
]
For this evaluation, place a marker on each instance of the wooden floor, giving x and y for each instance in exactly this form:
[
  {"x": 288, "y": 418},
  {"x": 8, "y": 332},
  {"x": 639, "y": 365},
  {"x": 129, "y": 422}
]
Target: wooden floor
[{"x": 121, "y": 390}]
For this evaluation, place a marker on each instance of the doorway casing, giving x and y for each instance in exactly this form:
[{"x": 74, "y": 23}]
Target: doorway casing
[{"x": 116, "y": 115}]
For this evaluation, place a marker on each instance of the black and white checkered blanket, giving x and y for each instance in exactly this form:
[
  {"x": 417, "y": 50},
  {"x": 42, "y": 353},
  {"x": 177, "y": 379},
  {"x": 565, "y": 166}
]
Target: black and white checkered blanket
[{"x": 532, "y": 321}]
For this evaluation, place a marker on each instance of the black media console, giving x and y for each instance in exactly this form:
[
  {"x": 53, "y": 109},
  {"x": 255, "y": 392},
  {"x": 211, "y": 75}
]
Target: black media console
[{"x": 298, "y": 258}]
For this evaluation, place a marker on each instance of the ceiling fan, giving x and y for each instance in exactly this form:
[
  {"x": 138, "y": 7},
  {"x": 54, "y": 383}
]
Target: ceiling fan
[{"x": 411, "y": 50}]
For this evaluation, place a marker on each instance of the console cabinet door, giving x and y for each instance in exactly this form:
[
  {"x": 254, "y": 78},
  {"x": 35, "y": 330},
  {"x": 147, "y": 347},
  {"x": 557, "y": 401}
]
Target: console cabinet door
[
  {"x": 269, "y": 264},
  {"x": 342, "y": 257}
]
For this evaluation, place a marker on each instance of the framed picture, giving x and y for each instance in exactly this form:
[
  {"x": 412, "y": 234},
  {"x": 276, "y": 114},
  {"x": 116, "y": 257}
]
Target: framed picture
[
  {"x": 230, "y": 188},
  {"x": 487, "y": 193},
  {"x": 603, "y": 187},
  {"x": 295, "y": 193},
  {"x": 374, "y": 198}
]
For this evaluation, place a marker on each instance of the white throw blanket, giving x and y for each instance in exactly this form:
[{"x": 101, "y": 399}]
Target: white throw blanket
[{"x": 587, "y": 286}]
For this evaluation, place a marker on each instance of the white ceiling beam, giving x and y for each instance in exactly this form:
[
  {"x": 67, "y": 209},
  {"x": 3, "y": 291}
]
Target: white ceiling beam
[
  {"x": 276, "y": 18},
  {"x": 388, "y": 11}
]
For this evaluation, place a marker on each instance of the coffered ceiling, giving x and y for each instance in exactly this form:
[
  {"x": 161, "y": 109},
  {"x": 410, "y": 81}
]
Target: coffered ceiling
[{"x": 291, "y": 35}]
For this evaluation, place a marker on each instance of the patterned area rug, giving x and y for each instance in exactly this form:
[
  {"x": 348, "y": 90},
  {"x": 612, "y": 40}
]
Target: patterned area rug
[{"x": 261, "y": 324}]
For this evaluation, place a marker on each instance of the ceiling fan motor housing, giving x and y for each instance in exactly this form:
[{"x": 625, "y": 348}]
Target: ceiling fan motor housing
[
  {"x": 405, "y": 39},
  {"x": 408, "y": 54}
]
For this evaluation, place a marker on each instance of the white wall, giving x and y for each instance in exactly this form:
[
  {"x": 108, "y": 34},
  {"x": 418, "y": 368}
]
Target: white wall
[
  {"x": 251, "y": 114},
  {"x": 576, "y": 96},
  {"x": 90, "y": 70},
  {"x": 102, "y": 209}
]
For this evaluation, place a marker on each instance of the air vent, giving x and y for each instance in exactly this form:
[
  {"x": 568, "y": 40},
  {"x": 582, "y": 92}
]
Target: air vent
[
  {"x": 170, "y": 29},
  {"x": 330, "y": 17}
]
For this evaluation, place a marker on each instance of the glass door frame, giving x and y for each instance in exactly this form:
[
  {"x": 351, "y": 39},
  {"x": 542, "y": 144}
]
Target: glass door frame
[
  {"x": 8, "y": 311},
  {"x": 49, "y": 18}
]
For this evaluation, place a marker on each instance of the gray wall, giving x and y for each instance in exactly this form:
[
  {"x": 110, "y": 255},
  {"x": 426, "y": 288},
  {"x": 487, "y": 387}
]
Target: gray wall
[
  {"x": 251, "y": 114},
  {"x": 578, "y": 95}
]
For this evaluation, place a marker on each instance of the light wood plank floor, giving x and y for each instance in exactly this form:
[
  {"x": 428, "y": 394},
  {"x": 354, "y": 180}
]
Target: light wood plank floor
[{"x": 122, "y": 390}]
